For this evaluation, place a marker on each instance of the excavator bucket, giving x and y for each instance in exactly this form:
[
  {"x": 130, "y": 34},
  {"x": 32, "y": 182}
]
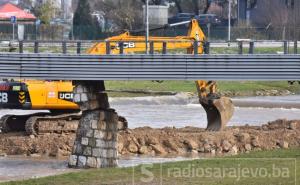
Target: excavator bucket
[{"x": 219, "y": 111}]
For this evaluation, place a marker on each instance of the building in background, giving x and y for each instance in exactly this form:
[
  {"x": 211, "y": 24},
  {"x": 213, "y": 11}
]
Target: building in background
[
  {"x": 16, "y": 2},
  {"x": 158, "y": 15},
  {"x": 16, "y": 29}
]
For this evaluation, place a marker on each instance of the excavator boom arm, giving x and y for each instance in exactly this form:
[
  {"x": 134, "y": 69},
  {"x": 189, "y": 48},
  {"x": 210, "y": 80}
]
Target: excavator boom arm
[{"x": 136, "y": 44}]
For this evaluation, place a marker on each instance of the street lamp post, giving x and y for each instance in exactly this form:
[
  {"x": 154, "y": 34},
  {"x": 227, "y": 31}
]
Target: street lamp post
[
  {"x": 229, "y": 21},
  {"x": 147, "y": 26}
]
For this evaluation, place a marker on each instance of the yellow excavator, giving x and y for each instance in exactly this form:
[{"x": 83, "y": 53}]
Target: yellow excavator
[{"x": 57, "y": 96}]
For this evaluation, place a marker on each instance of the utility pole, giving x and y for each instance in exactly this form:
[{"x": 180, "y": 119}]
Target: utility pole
[
  {"x": 147, "y": 26},
  {"x": 229, "y": 21}
]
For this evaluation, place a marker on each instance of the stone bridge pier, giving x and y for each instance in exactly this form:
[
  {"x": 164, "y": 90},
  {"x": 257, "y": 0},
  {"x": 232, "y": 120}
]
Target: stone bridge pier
[{"x": 96, "y": 138}]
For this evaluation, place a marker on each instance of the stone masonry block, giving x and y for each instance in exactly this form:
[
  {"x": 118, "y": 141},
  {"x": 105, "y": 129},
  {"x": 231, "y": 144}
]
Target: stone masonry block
[
  {"x": 73, "y": 160},
  {"x": 111, "y": 144},
  {"x": 77, "y": 98},
  {"x": 98, "y": 162},
  {"x": 90, "y": 133},
  {"x": 92, "y": 142},
  {"x": 81, "y": 161},
  {"x": 87, "y": 151},
  {"x": 101, "y": 143},
  {"x": 112, "y": 162},
  {"x": 104, "y": 162},
  {"x": 96, "y": 115},
  {"x": 96, "y": 152},
  {"x": 83, "y": 97},
  {"x": 94, "y": 124},
  {"x": 99, "y": 134},
  {"x": 91, "y": 162},
  {"x": 84, "y": 141},
  {"x": 104, "y": 153},
  {"x": 112, "y": 153},
  {"x": 78, "y": 149}
]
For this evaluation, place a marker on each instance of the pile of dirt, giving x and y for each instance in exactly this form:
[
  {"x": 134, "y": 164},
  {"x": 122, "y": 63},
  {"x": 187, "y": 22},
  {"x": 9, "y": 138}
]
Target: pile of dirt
[
  {"x": 167, "y": 141},
  {"x": 53, "y": 145},
  {"x": 277, "y": 134}
]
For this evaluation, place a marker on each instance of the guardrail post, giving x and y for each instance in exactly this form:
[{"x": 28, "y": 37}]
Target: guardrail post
[
  {"x": 78, "y": 47},
  {"x": 285, "y": 47},
  {"x": 164, "y": 51},
  {"x": 295, "y": 47},
  {"x": 21, "y": 46},
  {"x": 151, "y": 47},
  {"x": 206, "y": 46},
  {"x": 64, "y": 47},
  {"x": 195, "y": 44},
  {"x": 107, "y": 45},
  {"x": 121, "y": 46},
  {"x": 251, "y": 47},
  {"x": 240, "y": 45},
  {"x": 36, "y": 47}
]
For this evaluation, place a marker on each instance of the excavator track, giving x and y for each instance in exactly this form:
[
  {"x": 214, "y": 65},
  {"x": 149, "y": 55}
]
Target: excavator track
[
  {"x": 15, "y": 123},
  {"x": 42, "y": 123},
  {"x": 3, "y": 123},
  {"x": 37, "y": 125}
]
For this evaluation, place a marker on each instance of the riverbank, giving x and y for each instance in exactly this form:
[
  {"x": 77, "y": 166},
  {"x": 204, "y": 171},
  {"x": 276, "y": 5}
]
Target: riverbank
[
  {"x": 231, "y": 89},
  {"x": 274, "y": 167},
  {"x": 167, "y": 141}
]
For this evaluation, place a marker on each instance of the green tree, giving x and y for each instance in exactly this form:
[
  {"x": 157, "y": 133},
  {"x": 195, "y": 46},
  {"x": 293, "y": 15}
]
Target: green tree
[
  {"x": 85, "y": 25},
  {"x": 45, "y": 11}
]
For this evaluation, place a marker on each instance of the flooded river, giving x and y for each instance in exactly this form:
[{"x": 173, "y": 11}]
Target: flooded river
[{"x": 182, "y": 110}]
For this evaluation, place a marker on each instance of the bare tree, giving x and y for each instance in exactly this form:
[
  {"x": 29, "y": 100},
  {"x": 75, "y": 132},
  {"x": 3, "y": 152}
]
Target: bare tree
[
  {"x": 123, "y": 14},
  {"x": 178, "y": 5},
  {"x": 274, "y": 15},
  {"x": 195, "y": 6}
]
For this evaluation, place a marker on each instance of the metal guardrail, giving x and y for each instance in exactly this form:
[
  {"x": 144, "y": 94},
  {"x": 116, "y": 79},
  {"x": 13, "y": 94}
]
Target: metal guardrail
[{"x": 149, "y": 67}]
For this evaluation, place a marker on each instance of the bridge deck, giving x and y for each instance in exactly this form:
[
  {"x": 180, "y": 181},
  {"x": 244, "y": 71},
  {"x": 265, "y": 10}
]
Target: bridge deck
[{"x": 149, "y": 67}]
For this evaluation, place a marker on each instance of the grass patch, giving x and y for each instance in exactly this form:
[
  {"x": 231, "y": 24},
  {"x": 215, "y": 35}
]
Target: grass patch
[
  {"x": 241, "y": 88},
  {"x": 257, "y": 50},
  {"x": 263, "y": 167}
]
